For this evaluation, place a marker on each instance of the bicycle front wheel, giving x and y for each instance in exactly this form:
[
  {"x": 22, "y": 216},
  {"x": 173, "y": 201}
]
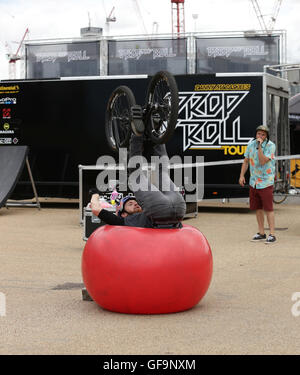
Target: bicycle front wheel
[
  {"x": 162, "y": 107},
  {"x": 118, "y": 118}
]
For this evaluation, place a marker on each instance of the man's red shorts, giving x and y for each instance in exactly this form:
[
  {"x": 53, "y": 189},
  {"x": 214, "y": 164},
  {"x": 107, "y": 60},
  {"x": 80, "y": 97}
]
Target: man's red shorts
[{"x": 261, "y": 199}]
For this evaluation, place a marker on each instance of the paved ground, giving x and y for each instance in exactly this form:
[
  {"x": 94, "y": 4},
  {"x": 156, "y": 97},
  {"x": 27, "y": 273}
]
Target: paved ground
[{"x": 247, "y": 309}]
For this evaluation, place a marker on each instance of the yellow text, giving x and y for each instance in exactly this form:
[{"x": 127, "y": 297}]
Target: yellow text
[{"x": 234, "y": 150}]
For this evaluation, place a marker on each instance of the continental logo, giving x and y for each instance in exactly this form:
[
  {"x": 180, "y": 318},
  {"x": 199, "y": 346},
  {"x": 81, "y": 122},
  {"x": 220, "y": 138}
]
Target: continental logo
[
  {"x": 223, "y": 87},
  {"x": 13, "y": 89}
]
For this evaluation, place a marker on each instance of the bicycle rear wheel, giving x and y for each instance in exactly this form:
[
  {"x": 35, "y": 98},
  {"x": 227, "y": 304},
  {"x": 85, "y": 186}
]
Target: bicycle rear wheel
[
  {"x": 118, "y": 118},
  {"x": 279, "y": 194},
  {"x": 161, "y": 107}
]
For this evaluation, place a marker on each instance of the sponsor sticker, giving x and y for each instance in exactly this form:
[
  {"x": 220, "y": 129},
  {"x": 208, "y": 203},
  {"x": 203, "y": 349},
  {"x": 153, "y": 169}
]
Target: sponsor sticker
[
  {"x": 13, "y": 89},
  {"x": 7, "y": 101},
  {"x": 5, "y": 141},
  {"x": 7, "y": 129},
  {"x": 6, "y": 113}
]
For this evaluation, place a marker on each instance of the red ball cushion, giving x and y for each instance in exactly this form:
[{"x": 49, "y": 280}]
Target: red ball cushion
[{"x": 147, "y": 271}]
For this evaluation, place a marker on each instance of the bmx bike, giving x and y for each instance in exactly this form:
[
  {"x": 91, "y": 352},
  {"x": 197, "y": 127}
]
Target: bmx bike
[
  {"x": 156, "y": 119},
  {"x": 282, "y": 182},
  {"x": 280, "y": 190}
]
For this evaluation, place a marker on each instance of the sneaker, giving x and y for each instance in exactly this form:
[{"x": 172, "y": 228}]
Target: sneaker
[
  {"x": 259, "y": 237},
  {"x": 270, "y": 239}
]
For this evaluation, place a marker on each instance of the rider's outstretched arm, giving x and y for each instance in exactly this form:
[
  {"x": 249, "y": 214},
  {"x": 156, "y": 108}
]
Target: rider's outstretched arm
[
  {"x": 104, "y": 215},
  {"x": 110, "y": 218}
]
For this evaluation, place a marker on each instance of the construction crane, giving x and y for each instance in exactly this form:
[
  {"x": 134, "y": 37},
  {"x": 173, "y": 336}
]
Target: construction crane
[
  {"x": 138, "y": 11},
  {"x": 178, "y": 20},
  {"x": 110, "y": 19},
  {"x": 261, "y": 18},
  {"x": 155, "y": 27},
  {"x": 274, "y": 15},
  {"x": 14, "y": 57}
]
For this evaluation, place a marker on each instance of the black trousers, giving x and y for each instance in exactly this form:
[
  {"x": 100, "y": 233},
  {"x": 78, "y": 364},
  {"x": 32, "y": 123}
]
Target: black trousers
[{"x": 160, "y": 199}]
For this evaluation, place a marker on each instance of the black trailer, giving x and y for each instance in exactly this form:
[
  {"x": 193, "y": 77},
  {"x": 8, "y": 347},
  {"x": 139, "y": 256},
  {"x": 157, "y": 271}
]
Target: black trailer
[{"x": 62, "y": 122}]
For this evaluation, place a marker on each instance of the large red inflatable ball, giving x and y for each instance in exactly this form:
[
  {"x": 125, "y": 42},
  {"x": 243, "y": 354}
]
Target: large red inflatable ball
[{"x": 146, "y": 271}]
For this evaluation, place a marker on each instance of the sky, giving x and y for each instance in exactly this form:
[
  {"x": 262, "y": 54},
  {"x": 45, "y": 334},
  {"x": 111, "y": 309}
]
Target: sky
[{"x": 49, "y": 19}]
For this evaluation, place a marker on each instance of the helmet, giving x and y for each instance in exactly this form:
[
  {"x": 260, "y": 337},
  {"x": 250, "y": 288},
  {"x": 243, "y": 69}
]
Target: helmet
[
  {"x": 120, "y": 207},
  {"x": 264, "y": 128}
]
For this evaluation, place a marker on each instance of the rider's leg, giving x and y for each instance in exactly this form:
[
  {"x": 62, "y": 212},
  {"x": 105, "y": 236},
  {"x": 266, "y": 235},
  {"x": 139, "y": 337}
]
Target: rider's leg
[
  {"x": 165, "y": 205},
  {"x": 139, "y": 182},
  {"x": 177, "y": 205}
]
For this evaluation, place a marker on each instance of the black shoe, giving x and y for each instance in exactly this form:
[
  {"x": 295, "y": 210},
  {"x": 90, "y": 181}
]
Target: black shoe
[
  {"x": 270, "y": 239},
  {"x": 259, "y": 237}
]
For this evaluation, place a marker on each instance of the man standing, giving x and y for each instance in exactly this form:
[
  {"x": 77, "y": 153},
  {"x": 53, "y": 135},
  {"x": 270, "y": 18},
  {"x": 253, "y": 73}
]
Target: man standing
[{"x": 260, "y": 153}]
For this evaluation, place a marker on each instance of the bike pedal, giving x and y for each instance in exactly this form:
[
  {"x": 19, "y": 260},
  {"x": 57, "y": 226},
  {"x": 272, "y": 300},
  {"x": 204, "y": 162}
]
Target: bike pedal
[{"x": 136, "y": 112}]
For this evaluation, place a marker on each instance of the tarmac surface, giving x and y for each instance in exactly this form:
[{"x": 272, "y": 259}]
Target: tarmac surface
[{"x": 248, "y": 308}]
